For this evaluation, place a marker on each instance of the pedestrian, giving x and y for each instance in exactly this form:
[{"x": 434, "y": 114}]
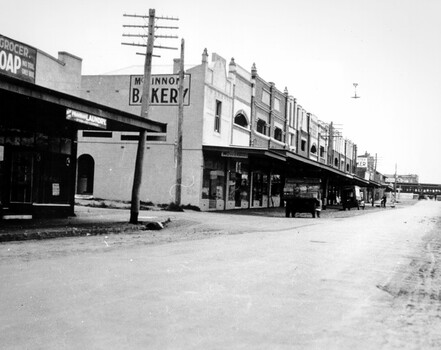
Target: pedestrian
[
  {"x": 318, "y": 207},
  {"x": 383, "y": 201}
]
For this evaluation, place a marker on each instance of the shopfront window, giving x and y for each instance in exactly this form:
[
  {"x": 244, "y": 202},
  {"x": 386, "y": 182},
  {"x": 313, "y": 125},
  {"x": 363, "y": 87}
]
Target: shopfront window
[
  {"x": 213, "y": 183},
  {"x": 275, "y": 190},
  {"x": 238, "y": 186},
  {"x": 260, "y": 189}
]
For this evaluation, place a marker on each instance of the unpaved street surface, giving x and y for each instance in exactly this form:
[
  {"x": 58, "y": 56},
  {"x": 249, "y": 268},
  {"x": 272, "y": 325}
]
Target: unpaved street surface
[{"x": 365, "y": 280}]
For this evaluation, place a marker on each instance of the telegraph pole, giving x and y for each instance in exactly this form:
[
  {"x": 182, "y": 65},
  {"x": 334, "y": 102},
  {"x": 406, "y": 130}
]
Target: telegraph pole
[
  {"x": 375, "y": 173},
  {"x": 145, "y": 103},
  {"x": 180, "y": 121},
  {"x": 395, "y": 183}
]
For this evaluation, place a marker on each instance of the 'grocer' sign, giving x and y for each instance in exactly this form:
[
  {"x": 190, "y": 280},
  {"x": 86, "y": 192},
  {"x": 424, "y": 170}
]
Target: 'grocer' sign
[
  {"x": 163, "y": 92},
  {"x": 17, "y": 60}
]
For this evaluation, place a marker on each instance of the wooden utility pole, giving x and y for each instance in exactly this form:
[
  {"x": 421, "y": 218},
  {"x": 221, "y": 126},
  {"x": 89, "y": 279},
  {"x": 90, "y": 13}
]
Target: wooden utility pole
[
  {"x": 180, "y": 121},
  {"x": 137, "y": 178},
  {"x": 395, "y": 183},
  {"x": 145, "y": 103},
  {"x": 375, "y": 173}
]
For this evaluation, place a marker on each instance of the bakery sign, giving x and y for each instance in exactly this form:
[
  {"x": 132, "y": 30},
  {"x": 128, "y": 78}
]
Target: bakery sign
[
  {"x": 164, "y": 90},
  {"x": 86, "y": 118},
  {"x": 17, "y": 60}
]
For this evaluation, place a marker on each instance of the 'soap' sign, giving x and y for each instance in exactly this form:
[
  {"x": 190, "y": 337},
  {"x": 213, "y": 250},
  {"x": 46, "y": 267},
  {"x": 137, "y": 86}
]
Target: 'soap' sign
[
  {"x": 17, "y": 60},
  {"x": 164, "y": 90}
]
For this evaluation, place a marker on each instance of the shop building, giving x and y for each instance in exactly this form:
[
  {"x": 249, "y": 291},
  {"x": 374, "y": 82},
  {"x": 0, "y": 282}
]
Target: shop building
[
  {"x": 40, "y": 118},
  {"x": 241, "y": 138}
]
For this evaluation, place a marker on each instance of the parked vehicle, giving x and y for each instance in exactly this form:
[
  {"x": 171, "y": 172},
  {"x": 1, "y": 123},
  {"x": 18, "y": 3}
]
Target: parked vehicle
[
  {"x": 301, "y": 196},
  {"x": 351, "y": 198}
]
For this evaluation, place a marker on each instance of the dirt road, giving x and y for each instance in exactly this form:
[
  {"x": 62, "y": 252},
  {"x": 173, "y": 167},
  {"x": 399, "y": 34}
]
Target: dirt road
[{"x": 370, "y": 281}]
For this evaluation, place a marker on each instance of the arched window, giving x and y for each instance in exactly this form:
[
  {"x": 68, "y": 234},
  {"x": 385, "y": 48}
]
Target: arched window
[
  {"x": 313, "y": 149},
  {"x": 278, "y": 134},
  {"x": 261, "y": 126},
  {"x": 241, "y": 120}
]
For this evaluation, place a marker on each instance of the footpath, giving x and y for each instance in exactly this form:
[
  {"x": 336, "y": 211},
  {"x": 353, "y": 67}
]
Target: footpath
[{"x": 89, "y": 221}]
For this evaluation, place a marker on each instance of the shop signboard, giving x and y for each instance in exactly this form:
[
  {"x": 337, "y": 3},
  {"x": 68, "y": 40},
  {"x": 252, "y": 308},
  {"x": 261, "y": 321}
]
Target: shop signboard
[
  {"x": 17, "y": 60},
  {"x": 233, "y": 154},
  {"x": 86, "y": 118},
  {"x": 163, "y": 92},
  {"x": 362, "y": 162}
]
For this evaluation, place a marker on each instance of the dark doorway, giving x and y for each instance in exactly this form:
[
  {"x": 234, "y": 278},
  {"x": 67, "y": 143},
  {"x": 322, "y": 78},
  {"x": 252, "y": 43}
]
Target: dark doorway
[{"x": 86, "y": 171}]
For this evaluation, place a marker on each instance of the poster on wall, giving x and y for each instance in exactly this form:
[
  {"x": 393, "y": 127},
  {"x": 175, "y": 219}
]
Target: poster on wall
[
  {"x": 17, "y": 60},
  {"x": 163, "y": 92}
]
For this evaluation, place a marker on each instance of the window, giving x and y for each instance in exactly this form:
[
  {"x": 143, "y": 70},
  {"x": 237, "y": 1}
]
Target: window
[
  {"x": 241, "y": 120},
  {"x": 157, "y": 137},
  {"x": 217, "y": 117},
  {"x": 105, "y": 134},
  {"x": 278, "y": 134},
  {"x": 322, "y": 152},
  {"x": 291, "y": 140},
  {"x": 261, "y": 126},
  {"x": 304, "y": 121},
  {"x": 277, "y": 104},
  {"x": 347, "y": 167},
  {"x": 336, "y": 162},
  {"x": 303, "y": 145},
  {"x": 266, "y": 97},
  {"x": 151, "y": 136},
  {"x": 313, "y": 149},
  {"x": 129, "y": 137}
]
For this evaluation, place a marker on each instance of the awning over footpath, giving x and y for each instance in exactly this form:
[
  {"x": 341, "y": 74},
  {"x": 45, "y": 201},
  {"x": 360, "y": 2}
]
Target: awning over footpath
[
  {"x": 319, "y": 169},
  {"x": 116, "y": 120},
  {"x": 244, "y": 152},
  {"x": 307, "y": 167}
]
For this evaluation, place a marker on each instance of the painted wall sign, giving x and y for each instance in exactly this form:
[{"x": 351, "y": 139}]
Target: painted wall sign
[
  {"x": 86, "y": 118},
  {"x": 17, "y": 60},
  {"x": 164, "y": 90}
]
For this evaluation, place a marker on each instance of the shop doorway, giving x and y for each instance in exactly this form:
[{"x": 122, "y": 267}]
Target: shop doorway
[
  {"x": 22, "y": 172},
  {"x": 86, "y": 173}
]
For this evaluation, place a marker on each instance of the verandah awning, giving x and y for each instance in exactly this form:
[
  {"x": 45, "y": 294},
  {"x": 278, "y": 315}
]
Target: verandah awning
[{"x": 116, "y": 120}]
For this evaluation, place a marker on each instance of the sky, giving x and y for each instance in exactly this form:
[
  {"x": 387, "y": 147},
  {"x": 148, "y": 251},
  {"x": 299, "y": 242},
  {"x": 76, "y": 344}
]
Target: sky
[{"x": 317, "y": 49}]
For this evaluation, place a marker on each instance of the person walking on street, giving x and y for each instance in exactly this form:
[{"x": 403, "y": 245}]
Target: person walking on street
[
  {"x": 318, "y": 207},
  {"x": 383, "y": 201}
]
